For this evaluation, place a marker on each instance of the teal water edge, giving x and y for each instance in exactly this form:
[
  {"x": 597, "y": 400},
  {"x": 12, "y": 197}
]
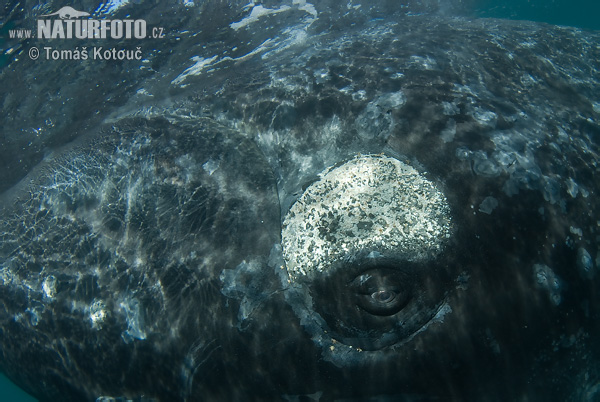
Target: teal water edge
[
  {"x": 577, "y": 13},
  {"x": 9, "y": 392},
  {"x": 583, "y": 14}
]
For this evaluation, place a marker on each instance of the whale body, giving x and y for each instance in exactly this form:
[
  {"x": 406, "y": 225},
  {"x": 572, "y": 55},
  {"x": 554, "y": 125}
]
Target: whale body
[{"x": 349, "y": 204}]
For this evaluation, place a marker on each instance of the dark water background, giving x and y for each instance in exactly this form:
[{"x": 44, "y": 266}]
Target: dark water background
[{"x": 579, "y": 13}]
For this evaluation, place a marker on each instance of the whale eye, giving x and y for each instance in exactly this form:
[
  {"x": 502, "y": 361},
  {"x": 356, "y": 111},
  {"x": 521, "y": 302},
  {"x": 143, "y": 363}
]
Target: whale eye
[
  {"x": 381, "y": 292},
  {"x": 363, "y": 240},
  {"x": 383, "y": 296},
  {"x": 372, "y": 302}
]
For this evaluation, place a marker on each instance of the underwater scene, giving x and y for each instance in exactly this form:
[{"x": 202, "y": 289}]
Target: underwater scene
[{"x": 299, "y": 200}]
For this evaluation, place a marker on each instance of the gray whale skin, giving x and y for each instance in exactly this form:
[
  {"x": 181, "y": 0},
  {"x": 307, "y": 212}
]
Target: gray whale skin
[{"x": 404, "y": 209}]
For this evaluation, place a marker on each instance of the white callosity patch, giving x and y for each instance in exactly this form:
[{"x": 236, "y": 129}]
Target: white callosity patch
[{"x": 369, "y": 203}]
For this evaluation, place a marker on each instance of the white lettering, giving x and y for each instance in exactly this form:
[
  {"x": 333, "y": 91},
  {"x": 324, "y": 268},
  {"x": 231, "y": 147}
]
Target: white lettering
[
  {"x": 91, "y": 29},
  {"x": 44, "y": 29},
  {"x": 116, "y": 29}
]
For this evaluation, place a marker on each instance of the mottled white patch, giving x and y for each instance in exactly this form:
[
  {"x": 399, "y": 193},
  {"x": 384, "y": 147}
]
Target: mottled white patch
[{"x": 370, "y": 202}]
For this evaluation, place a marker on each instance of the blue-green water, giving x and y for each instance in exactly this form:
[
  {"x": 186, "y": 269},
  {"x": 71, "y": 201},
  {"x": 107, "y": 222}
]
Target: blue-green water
[
  {"x": 579, "y": 13},
  {"x": 9, "y": 392}
]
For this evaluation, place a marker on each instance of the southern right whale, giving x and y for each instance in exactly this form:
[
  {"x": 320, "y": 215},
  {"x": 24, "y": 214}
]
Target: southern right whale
[{"x": 199, "y": 244}]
